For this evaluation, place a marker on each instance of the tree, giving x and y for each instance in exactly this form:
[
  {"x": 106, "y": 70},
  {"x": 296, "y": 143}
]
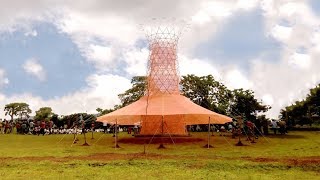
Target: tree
[
  {"x": 74, "y": 119},
  {"x": 305, "y": 111},
  {"x": 55, "y": 119},
  {"x": 11, "y": 110},
  {"x": 44, "y": 113},
  {"x": 104, "y": 111},
  {"x": 214, "y": 95},
  {"x": 297, "y": 113},
  {"x": 301, "y": 112},
  {"x": 206, "y": 92},
  {"x": 245, "y": 104},
  {"x": 99, "y": 110},
  {"x": 17, "y": 109}
]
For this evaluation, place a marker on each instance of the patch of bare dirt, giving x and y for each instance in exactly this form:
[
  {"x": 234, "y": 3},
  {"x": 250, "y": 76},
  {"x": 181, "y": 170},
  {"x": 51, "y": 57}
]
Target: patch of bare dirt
[
  {"x": 158, "y": 140},
  {"x": 94, "y": 157},
  {"x": 298, "y": 161},
  {"x": 105, "y": 157}
]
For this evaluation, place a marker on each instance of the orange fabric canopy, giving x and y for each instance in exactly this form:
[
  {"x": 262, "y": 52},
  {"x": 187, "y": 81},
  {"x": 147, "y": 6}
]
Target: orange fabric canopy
[{"x": 173, "y": 106}]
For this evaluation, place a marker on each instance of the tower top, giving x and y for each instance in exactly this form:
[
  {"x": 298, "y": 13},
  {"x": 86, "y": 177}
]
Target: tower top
[
  {"x": 164, "y": 29},
  {"x": 163, "y": 36}
]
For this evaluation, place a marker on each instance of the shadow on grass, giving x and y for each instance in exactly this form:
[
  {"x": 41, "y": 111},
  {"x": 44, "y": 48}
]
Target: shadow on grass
[{"x": 286, "y": 136}]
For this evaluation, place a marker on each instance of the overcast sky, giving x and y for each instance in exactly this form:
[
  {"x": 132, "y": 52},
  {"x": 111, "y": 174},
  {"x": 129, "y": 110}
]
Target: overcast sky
[{"x": 75, "y": 56}]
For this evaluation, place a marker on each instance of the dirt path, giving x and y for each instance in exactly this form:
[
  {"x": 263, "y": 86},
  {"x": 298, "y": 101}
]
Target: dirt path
[
  {"x": 105, "y": 157},
  {"x": 93, "y": 157},
  {"x": 297, "y": 161}
]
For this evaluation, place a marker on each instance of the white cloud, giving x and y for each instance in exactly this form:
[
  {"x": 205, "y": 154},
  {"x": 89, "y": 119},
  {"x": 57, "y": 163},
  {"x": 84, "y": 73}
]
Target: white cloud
[
  {"x": 300, "y": 20},
  {"x": 247, "y": 4},
  {"x": 136, "y": 60},
  {"x": 101, "y": 92},
  {"x": 3, "y": 78},
  {"x": 315, "y": 40},
  {"x": 285, "y": 83},
  {"x": 201, "y": 18},
  {"x": 219, "y": 10},
  {"x": 282, "y": 81},
  {"x": 20, "y": 15},
  {"x": 290, "y": 8},
  {"x": 84, "y": 27},
  {"x": 116, "y": 24},
  {"x": 100, "y": 56},
  {"x": 300, "y": 60},
  {"x": 267, "y": 99},
  {"x": 32, "y": 33},
  {"x": 281, "y": 33},
  {"x": 235, "y": 79},
  {"x": 34, "y": 68},
  {"x": 199, "y": 67}
]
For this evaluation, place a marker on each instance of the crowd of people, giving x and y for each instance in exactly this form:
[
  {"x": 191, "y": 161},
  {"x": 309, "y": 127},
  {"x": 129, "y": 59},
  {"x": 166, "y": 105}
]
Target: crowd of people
[
  {"x": 49, "y": 127},
  {"x": 43, "y": 127}
]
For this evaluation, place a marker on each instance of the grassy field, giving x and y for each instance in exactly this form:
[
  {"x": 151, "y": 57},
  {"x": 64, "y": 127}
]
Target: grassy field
[{"x": 293, "y": 156}]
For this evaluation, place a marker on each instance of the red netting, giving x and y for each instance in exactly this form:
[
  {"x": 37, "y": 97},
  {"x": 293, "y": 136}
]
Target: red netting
[{"x": 162, "y": 125}]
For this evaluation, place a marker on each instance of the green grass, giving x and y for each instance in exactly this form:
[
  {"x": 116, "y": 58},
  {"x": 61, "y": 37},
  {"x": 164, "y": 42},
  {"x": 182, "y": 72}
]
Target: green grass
[{"x": 294, "y": 156}]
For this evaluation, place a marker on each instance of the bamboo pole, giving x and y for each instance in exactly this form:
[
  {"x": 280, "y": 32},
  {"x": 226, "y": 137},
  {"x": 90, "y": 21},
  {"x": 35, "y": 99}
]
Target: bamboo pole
[
  {"x": 116, "y": 135},
  {"x": 162, "y": 134},
  {"x": 209, "y": 133}
]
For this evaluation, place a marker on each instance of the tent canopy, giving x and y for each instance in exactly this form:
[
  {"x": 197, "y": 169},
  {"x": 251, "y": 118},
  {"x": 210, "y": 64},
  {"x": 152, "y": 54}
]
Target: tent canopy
[{"x": 173, "y": 106}]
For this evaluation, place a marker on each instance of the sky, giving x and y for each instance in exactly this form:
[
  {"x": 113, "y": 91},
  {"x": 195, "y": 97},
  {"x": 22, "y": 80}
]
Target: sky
[{"x": 76, "y": 56}]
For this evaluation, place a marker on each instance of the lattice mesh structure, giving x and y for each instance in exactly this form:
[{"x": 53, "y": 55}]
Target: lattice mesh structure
[{"x": 163, "y": 36}]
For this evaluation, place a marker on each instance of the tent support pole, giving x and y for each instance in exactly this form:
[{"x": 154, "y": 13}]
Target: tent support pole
[
  {"x": 161, "y": 146},
  {"x": 208, "y": 146},
  {"x": 85, "y": 139},
  {"x": 240, "y": 122},
  {"x": 169, "y": 134},
  {"x": 162, "y": 126},
  {"x": 144, "y": 142},
  {"x": 74, "y": 139},
  {"x": 261, "y": 133},
  {"x": 209, "y": 133},
  {"x": 75, "y": 135},
  {"x": 92, "y": 133},
  {"x": 116, "y": 136}
]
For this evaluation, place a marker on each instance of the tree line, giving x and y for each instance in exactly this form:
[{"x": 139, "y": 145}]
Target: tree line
[
  {"x": 306, "y": 111},
  {"x": 22, "y": 111}
]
